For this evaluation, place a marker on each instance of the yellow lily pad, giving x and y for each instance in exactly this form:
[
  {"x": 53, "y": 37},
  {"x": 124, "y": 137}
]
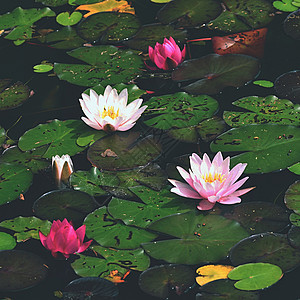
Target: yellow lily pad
[{"x": 210, "y": 273}]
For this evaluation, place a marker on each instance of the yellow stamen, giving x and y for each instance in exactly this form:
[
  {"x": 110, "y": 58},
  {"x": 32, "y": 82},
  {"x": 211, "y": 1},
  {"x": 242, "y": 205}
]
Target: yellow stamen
[
  {"x": 211, "y": 178},
  {"x": 110, "y": 111}
]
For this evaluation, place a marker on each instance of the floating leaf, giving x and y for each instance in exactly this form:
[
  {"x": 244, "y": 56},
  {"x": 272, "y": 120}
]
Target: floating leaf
[
  {"x": 295, "y": 168},
  {"x": 131, "y": 150},
  {"x": 294, "y": 236},
  {"x": 109, "y": 27},
  {"x": 67, "y": 19},
  {"x": 267, "y": 109},
  {"x": 269, "y": 147},
  {"x": 106, "y": 64},
  {"x": 243, "y": 15},
  {"x": 291, "y": 25},
  {"x": 292, "y": 197},
  {"x": 53, "y": 3},
  {"x": 27, "y": 227},
  {"x": 60, "y": 136},
  {"x": 20, "y": 270},
  {"x": 42, "y": 68},
  {"x": 157, "y": 281},
  {"x": 179, "y": 110},
  {"x": 109, "y": 232},
  {"x": 14, "y": 180},
  {"x": 61, "y": 204},
  {"x": 295, "y": 219},
  {"x": 7, "y": 242},
  {"x": 189, "y": 13},
  {"x": 264, "y": 83},
  {"x": 268, "y": 248},
  {"x": 199, "y": 238},
  {"x": 256, "y": 276},
  {"x": 285, "y": 5},
  {"x": 89, "y": 137},
  {"x": 210, "y": 273},
  {"x": 213, "y": 72},
  {"x": 12, "y": 95},
  {"x": 151, "y": 34}
]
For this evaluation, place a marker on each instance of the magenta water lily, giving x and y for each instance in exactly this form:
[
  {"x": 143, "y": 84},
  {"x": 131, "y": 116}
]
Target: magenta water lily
[
  {"x": 110, "y": 112},
  {"x": 211, "y": 181},
  {"x": 168, "y": 55}
]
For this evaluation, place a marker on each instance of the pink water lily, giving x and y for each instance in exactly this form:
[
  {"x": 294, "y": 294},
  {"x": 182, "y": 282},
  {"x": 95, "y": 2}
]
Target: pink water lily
[
  {"x": 63, "y": 238},
  {"x": 110, "y": 111},
  {"x": 167, "y": 56},
  {"x": 211, "y": 181}
]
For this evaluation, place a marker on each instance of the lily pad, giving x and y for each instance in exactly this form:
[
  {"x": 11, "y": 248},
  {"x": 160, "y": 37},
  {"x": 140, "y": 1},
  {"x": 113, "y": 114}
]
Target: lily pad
[
  {"x": 179, "y": 110},
  {"x": 198, "y": 238},
  {"x": 14, "y": 180},
  {"x": 243, "y": 15},
  {"x": 295, "y": 168},
  {"x": 61, "y": 204},
  {"x": 151, "y": 34},
  {"x": 291, "y": 25},
  {"x": 269, "y": 147},
  {"x": 257, "y": 217},
  {"x": 212, "y": 73},
  {"x": 292, "y": 197},
  {"x": 264, "y": 83},
  {"x": 210, "y": 273},
  {"x": 295, "y": 219},
  {"x": 106, "y": 64},
  {"x": 20, "y": 270},
  {"x": 53, "y": 3},
  {"x": 131, "y": 151},
  {"x": 155, "y": 206},
  {"x": 7, "y": 242},
  {"x": 59, "y": 136},
  {"x": 32, "y": 159},
  {"x": 267, "y": 109},
  {"x": 268, "y": 248},
  {"x": 157, "y": 281},
  {"x": 42, "y": 68},
  {"x": 255, "y": 276},
  {"x": 109, "y": 27},
  {"x": 294, "y": 236},
  {"x": 110, "y": 232},
  {"x": 12, "y": 94},
  {"x": 27, "y": 227},
  {"x": 285, "y": 5},
  {"x": 189, "y": 13},
  {"x": 288, "y": 85},
  {"x": 67, "y": 19}
]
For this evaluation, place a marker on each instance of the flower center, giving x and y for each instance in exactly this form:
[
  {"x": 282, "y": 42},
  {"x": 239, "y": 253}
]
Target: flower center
[
  {"x": 212, "y": 177},
  {"x": 110, "y": 111}
]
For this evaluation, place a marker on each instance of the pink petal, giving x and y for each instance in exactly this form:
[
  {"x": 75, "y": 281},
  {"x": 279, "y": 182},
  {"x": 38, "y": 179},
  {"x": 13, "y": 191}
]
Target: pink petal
[
  {"x": 151, "y": 53},
  {"x": 183, "y": 189},
  {"x": 183, "y": 53},
  {"x": 84, "y": 246},
  {"x": 230, "y": 200},
  {"x": 205, "y": 205},
  {"x": 234, "y": 187},
  {"x": 91, "y": 124},
  {"x": 80, "y": 232},
  {"x": 185, "y": 175}
]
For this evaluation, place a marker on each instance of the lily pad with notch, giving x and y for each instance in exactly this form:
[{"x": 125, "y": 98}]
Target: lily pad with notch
[
  {"x": 292, "y": 197},
  {"x": 67, "y": 19},
  {"x": 60, "y": 204},
  {"x": 210, "y": 74},
  {"x": 131, "y": 151},
  {"x": 268, "y": 147}
]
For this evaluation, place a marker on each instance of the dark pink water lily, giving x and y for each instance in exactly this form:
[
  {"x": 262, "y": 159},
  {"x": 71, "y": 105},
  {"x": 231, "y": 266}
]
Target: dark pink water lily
[
  {"x": 211, "y": 181},
  {"x": 168, "y": 55},
  {"x": 63, "y": 238}
]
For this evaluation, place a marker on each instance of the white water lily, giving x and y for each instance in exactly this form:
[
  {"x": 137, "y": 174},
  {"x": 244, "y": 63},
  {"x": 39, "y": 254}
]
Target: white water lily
[
  {"x": 62, "y": 168},
  {"x": 110, "y": 111}
]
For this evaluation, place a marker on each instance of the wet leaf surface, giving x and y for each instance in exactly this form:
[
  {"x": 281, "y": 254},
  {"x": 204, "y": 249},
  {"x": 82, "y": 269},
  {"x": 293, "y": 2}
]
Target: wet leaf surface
[{"x": 292, "y": 197}]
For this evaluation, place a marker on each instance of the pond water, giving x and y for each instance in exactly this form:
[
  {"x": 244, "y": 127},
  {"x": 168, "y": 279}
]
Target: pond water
[{"x": 124, "y": 199}]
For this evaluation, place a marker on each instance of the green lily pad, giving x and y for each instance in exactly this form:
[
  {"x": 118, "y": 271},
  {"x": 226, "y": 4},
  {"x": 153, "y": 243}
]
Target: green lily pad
[
  {"x": 14, "y": 180},
  {"x": 155, "y": 206},
  {"x": 109, "y": 27},
  {"x": 27, "y": 227},
  {"x": 199, "y": 238},
  {"x": 131, "y": 151},
  {"x": 21, "y": 21},
  {"x": 264, "y": 83},
  {"x": 269, "y": 147},
  {"x": 294, "y": 236},
  {"x": 212, "y": 73},
  {"x": 61, "y": 204},
  {"x": 7, "y": 242},
  {"x": 106, "y": 64},
  {"x": 179, "y": 110},
  {"x": 89, "y": 137},
  {"x": 207, "y": 130},
  {"x": 287, "y": 84},
  {"x": 32, "y": 159},
  {"x": 151, "y": 34},
  {"x": 267, "y": 109},
  {"x": 109, "y": 232},
  {"x": 21, "y": 270},
  {"x": 63, "y": 38},
  {"x": 12, "y": 94},
  {"x": 292, "y": 197},
  {"x": 157, "y": 281},
  {"x": 295, "y": 219},
  {"x": 60, "y": 136},
  {"x": 243, "y": 15},
  {"x": 285, "y": 5},
  {"x": 189, "y": 13},
  {"x": 225, "y": 288},
  {"x": 267, "y": 247},
  {"x": 295, "y": 168},
  {"x": 291, "y": 25},
  {"x": 255, "y": 276},
  {"x": 67, "y": 19},
  {"x": 53, "y": 3},
  {"x": 43, "y": 68}
]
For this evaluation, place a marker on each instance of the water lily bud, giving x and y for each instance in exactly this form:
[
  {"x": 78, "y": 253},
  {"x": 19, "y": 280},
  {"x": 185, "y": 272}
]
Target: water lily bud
[{"x": 62, "y": 168}]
